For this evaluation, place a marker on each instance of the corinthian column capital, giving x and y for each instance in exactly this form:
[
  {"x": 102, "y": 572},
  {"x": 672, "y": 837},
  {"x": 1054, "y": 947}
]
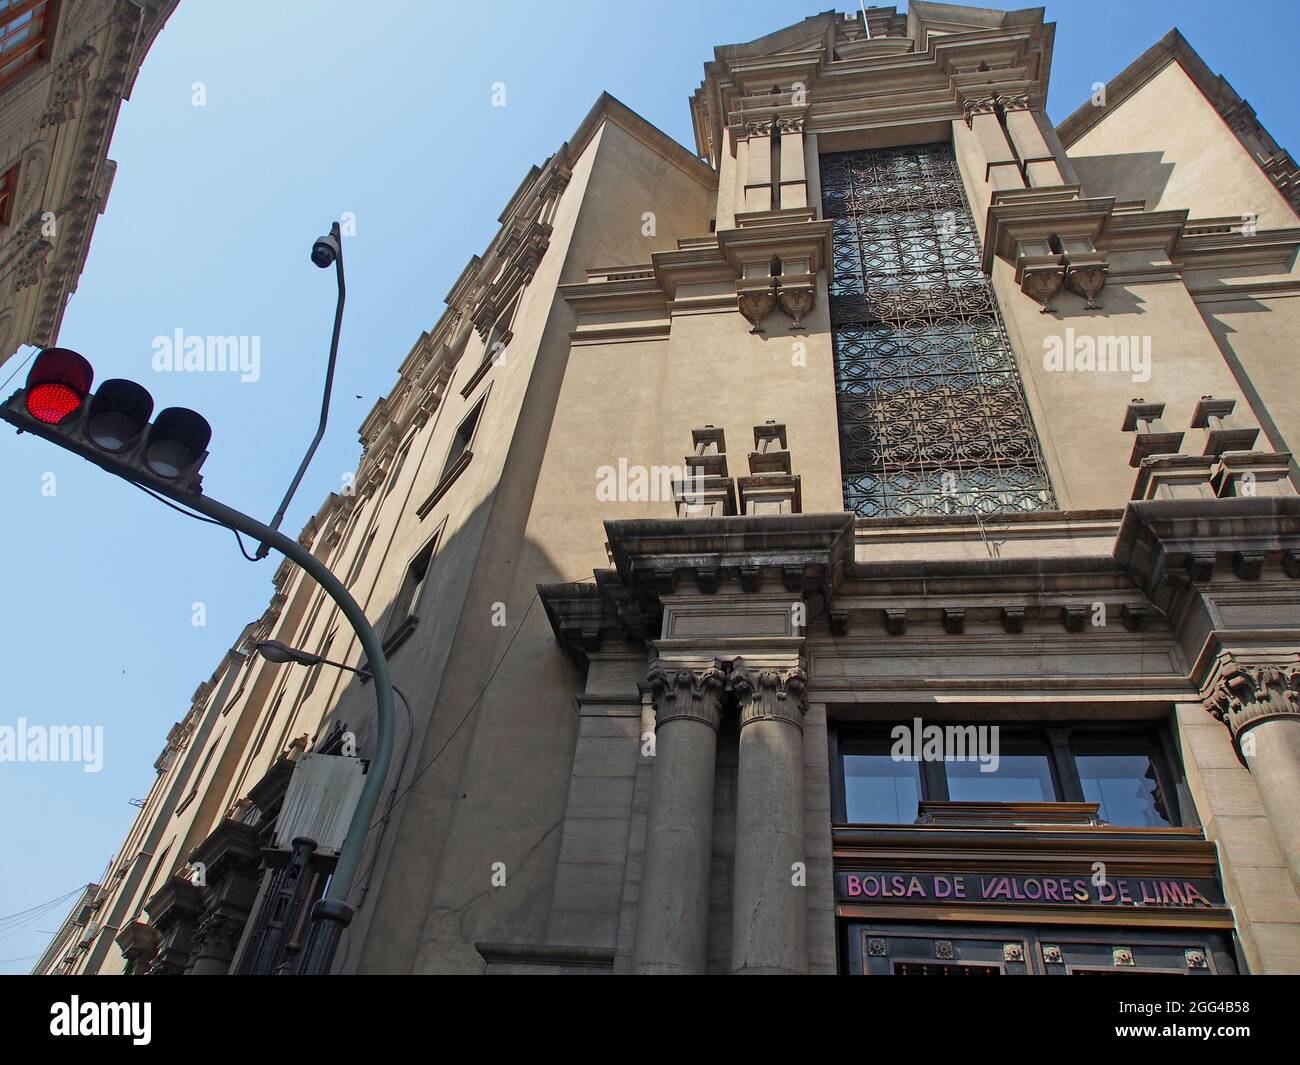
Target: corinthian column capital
[
  {"x": 769, "y": 693},
  {"x": 681, "y": 691},
  {"x": 1248, "y": 693}
]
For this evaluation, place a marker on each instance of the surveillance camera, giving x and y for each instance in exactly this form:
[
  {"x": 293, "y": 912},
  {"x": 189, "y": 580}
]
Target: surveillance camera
[{"x": 325, "y": 251}]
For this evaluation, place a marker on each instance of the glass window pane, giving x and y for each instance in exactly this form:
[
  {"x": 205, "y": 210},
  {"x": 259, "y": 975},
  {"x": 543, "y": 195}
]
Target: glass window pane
[
  {"x": 880, "y": 790},
  {"x": 1126, "y": 786},
  {"x": 1017, "y": 778}
]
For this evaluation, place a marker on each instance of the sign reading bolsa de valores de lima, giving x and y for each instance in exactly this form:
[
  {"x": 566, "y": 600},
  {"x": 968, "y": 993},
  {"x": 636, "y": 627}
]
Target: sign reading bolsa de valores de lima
[{"x": 995, "y": 889}]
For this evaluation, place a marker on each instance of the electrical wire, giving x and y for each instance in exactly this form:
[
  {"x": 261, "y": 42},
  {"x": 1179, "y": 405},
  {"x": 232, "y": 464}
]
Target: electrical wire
[
  {"x": 477, "y": 699},
  {"x": 19, "y": 367},
  {"x": 43, "y": 905},
  {"x": 197, "y": 517}
]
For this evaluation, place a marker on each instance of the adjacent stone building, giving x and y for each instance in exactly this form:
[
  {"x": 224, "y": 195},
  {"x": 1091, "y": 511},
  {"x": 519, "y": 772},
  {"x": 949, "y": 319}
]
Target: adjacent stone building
[
  {"x": 65, "y": 68},
  {"x": 867, "y": 543}
]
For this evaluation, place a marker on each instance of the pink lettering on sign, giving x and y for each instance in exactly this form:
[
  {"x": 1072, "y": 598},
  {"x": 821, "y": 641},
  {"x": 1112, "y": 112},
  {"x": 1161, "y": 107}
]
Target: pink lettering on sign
[{"x": 903, "y": 887}]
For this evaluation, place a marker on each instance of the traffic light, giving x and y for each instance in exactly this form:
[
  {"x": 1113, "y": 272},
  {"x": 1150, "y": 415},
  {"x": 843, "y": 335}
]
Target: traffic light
[{"x": 109, "y": 427}]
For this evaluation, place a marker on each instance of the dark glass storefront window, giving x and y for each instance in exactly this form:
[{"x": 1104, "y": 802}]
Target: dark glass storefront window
[
  {"x": 1119, "y": 769},
  {"x": 1024, "y": 777},
  {"x": 1122, "y": 775},
  {"x": 880, "y": 790}
]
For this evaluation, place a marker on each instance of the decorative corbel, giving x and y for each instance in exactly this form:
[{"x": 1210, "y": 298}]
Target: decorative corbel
[
  {"x": 756, "y": 300},
  {"x": 1085, "y": 275},
  {"x": 1223, "y": 431},
  {"x": 1152, "y": 437}
]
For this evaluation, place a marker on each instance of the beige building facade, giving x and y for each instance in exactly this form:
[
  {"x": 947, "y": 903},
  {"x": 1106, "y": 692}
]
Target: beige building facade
[
  {"x": 867, "y": 543},
  {"x": 65, "y": 68}
]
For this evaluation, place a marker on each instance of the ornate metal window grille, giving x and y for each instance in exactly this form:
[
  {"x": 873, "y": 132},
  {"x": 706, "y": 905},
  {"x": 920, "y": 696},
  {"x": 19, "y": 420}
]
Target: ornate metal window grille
[{"x": 932, "y": 414}]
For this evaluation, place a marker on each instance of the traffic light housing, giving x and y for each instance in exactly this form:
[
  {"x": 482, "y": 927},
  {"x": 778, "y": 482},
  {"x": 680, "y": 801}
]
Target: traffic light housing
[{"x": 109, "y": 427}]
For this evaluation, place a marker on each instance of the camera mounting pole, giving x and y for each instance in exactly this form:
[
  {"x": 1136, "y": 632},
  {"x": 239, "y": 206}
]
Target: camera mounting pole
[{"x": 327, "y": 249}]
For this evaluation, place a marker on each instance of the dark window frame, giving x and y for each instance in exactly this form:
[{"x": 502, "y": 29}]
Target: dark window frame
[
  {"x": 8, "y": 193},
  {"x": 403, "y": 617},
  {"x": 1150, "y": 736},
  {"x": 35, "y": 49}
]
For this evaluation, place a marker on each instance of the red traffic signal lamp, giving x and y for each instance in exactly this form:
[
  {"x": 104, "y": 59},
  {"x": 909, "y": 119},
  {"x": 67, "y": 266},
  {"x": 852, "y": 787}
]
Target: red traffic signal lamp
[
  {"x": 57, "y": 385},
  {"x": 111, "y": 426}
]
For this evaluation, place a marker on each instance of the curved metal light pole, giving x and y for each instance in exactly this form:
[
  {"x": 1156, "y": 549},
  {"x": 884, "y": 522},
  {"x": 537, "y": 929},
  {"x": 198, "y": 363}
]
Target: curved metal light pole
[{"x": 332, "y": 914}]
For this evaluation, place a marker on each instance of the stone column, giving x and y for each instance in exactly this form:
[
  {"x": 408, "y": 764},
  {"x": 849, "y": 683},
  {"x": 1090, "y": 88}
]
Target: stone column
[
  {"x": 1260, "y": 704},
  {"x": 758, "y": 168},
  {"x": 1003, "y": 167},
  {"x": 672, "y": 930},
  {"x": 1037, "y": 159},
  {"x": 769, "y": 930}
]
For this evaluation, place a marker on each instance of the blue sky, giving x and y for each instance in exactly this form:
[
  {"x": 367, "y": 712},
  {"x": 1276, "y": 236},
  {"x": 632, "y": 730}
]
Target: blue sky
[{"x": 311, "y": 112}]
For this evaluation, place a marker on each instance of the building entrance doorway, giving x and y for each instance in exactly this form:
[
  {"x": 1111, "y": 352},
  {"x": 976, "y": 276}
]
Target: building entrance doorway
[{"x": 948, "y": 949}]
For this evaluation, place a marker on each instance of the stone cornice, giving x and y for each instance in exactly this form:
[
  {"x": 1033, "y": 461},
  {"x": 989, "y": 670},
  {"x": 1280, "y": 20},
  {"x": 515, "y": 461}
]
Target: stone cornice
[
  {"x": 1168, "y": 545},
  {"x": 783, "y": 240},
  {"x": 802, "y": 553},
  {"x": 86, "y": 88},
  {"x": 1024, "y": 215},
  {"x": 1205, "y": 245},
  {"x": 852, "y": 82},
  {"x": 655, "y": 553}
]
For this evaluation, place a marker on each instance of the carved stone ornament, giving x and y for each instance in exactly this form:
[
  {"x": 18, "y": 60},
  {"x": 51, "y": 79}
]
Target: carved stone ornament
[
  {"x": 796, "y": 302},
  {"x": 775, "y": 125},
  {"x": 1247, "y": 695},
  {"x": 1041, "y": 284},
  {"x": 756, "y": 305},
  {"x": 71, "y": 71},
  {"x": 1015, "y": 101},
  {"x": 1087, "y": 281},
  {"x": 985, "y": 106},
  {"x": 30, "y": 268},
  {"x": 682, "y": 692},
  {"x": 769, "y": 694}
]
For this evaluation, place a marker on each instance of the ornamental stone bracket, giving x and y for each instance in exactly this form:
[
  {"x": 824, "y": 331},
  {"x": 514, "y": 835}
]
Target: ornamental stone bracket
[
  {"x": 771, "y": 487},
  {"x": 1151, "y": 436},
  {"x": 777, "y": 267},
  {"x": 1050, "y": 234},
  {"x": 1220, "y": 471},
  {"x": 139, "y": 942},
  {"x": 707, "y": 491}
]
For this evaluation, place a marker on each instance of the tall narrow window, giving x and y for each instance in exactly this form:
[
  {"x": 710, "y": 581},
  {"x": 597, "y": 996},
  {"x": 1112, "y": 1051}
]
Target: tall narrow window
[
  {"x": 501, "y": 334},
  {"x": 933, "y": 418},
  {"x": 463, "y": 438},
  {"x": 408, "y": 596},
  {"x": 8, "y": 192},
  {"x": 24, "y": 37}
]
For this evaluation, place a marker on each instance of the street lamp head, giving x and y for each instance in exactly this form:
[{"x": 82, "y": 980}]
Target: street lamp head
[
  {"x": 326, "y": 249},
  {"x": 275, "y": 651}
]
